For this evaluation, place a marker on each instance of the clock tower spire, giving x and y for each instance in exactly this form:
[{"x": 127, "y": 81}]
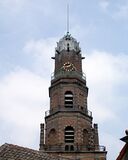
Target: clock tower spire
[{"x": 69, "y": 129}]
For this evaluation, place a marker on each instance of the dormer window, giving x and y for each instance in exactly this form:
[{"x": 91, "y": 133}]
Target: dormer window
[{"x": 68, "y": 99}]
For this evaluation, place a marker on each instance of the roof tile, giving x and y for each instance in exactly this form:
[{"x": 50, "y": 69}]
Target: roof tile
[{"x": 14, "y": 152}]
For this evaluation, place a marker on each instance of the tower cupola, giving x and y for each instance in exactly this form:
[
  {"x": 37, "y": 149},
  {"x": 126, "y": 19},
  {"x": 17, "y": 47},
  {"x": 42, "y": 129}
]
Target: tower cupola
[
  {"x": 68, "y": 43},
  {"x": 67, "y": 55}
]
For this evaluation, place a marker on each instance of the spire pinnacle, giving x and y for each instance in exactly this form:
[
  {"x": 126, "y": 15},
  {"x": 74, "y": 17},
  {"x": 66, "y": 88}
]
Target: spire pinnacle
[{"x": 67, "y": 18}]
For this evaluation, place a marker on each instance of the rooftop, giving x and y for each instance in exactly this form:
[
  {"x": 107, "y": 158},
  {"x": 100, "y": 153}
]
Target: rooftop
[{"x": 14, "y": 152}]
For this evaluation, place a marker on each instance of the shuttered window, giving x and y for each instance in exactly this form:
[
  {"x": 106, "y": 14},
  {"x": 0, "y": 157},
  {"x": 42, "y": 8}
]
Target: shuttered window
[
  {"x": 68, "y": 99},
  {"x": 69, "y": 134}
]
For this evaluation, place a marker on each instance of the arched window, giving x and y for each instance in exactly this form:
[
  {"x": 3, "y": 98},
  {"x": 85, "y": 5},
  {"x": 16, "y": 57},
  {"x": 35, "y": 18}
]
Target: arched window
[
  {"x": 71, "y": 148},
  {"x": 69, "y": 134},
  {"x": 67, "y": 148},
  {"x": 68, "y": 99}
]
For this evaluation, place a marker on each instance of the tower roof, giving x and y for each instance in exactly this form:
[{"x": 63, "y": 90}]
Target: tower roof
[{"x": 68, "y": 42}]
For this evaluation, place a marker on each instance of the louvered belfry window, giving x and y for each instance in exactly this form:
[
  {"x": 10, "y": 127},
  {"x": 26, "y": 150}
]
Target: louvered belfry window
[
  {"x": 69, "y": 134},
  {"x": 68, "y": 99}
]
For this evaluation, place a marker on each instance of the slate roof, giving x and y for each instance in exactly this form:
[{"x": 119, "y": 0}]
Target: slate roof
[{"x": 14, "y": 152}]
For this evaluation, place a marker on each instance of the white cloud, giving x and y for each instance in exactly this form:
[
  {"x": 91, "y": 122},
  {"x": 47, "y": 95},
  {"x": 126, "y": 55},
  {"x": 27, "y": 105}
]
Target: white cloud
[
  {"x": 106, "y": 75},
  {"x": 12, "y": 5},
  {"x": 104, "y": 4},
  {"x": 42, "y": 50},
  {"x": 17, "y": 7},
  {"x": 121, "y": 12},
  {"x": 23, "y": 95},
  {"x": 84, "y": 32},
  {"x": 118, "y": 11}
]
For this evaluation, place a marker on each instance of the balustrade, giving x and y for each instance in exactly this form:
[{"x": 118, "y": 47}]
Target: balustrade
[
  {"x": 77, "y": 148},
  {"x": 74, "y": 109},
  {"x": 63, "y": 74}
]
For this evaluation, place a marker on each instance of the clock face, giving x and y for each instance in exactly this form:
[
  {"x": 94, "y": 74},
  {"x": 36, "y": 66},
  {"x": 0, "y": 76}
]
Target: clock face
[{"x": 68, "y": 66}]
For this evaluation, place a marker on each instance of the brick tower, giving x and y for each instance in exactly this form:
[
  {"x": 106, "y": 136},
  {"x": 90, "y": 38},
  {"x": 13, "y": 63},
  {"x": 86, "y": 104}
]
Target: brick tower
[{"x": 69, "y": 131}]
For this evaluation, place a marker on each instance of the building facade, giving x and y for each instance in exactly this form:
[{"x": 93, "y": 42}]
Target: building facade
[{"x": 69, "y": 130}]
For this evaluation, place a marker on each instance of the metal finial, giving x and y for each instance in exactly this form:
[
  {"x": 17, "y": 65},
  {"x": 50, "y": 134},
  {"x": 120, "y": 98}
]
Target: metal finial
[{"x": 67, "y": 18}]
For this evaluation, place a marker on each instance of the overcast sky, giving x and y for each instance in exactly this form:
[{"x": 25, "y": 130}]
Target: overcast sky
[{"x": 29, "y": 31}]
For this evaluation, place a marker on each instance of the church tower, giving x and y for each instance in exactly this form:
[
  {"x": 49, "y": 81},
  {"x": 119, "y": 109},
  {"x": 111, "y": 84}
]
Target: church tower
[{"x": 68, "y": 130}]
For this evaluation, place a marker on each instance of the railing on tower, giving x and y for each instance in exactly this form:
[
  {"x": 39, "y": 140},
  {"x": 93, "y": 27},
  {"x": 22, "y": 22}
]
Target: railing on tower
[
  {"x": 74, "y": 109},
  {"x": 77, "y": 148},
  {"x": 69, "y": 74}
]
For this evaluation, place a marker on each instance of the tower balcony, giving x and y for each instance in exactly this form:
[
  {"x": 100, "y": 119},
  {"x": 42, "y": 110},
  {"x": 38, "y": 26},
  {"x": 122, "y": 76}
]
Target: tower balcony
[
  {"x": 66, "y": 109},
  {"x": 76, "y": 148},
  {"x": 68, "y": 74}
]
